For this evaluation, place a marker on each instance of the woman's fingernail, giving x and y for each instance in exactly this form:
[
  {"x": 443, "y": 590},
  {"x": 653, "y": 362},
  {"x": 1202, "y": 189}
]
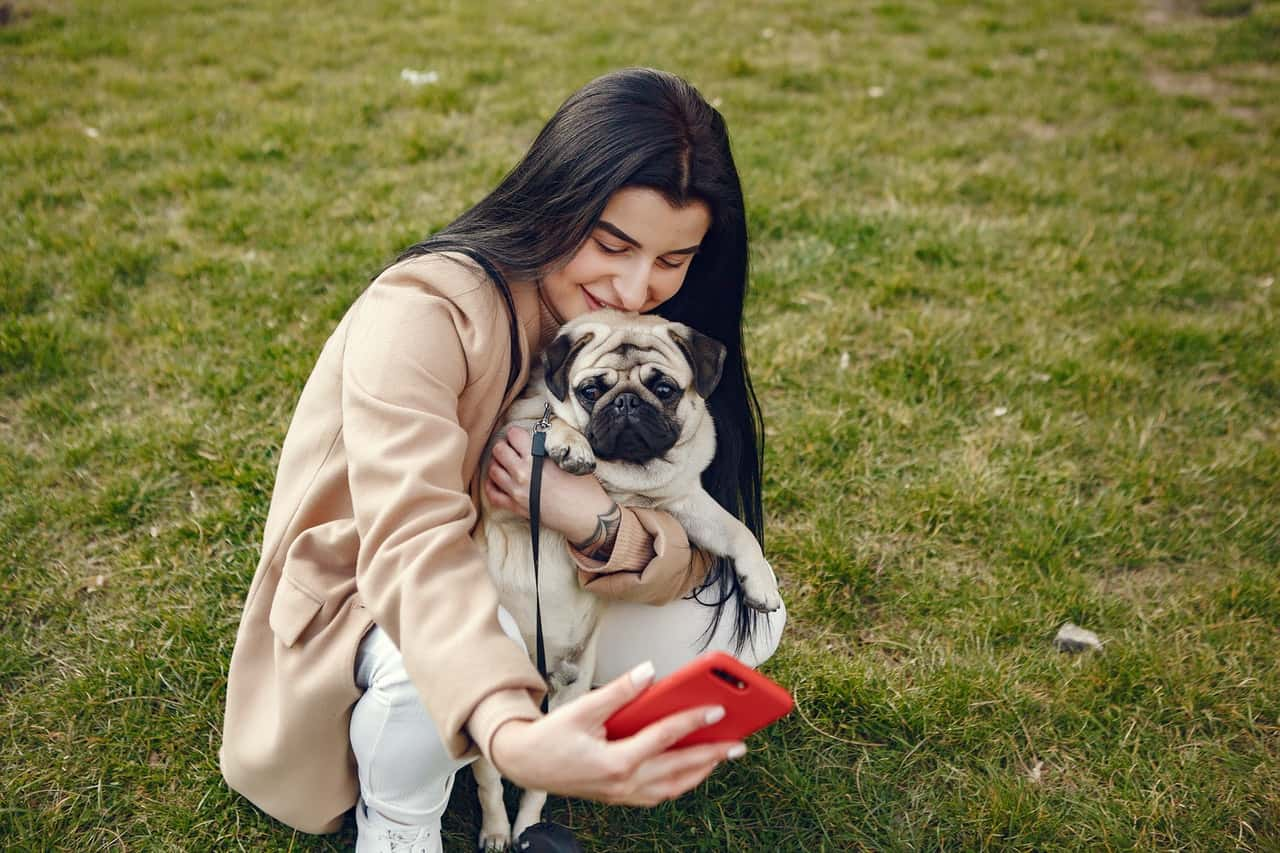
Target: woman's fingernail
[
  {"x": 737, "y": 750},
  {"x": 643, "y": 674},
  {"x": 715, "y": 715}
]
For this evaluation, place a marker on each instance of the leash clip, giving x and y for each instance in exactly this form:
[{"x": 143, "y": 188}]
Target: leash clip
[
  {"x": 540, "y": 432},
  {"x": 544, "y": 423}
]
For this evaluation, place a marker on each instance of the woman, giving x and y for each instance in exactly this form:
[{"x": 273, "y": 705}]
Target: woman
[{"x": 372, "y": 659}]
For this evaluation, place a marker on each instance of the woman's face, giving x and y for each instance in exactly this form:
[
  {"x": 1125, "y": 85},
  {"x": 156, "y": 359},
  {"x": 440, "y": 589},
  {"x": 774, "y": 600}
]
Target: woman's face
[{"x": 635, "y": 259}]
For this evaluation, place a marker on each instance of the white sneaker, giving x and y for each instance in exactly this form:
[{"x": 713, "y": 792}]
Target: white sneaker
[{"x": 377, "y": 834}]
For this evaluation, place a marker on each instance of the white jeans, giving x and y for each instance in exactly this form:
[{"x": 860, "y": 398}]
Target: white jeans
[{"x": 404, "y": 770}]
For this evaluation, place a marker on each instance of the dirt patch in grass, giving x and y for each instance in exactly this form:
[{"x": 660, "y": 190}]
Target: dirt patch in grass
[
  {"x": 1040, "y": 131},
  {"x": 1165, "y": 11},
  {"x": 1204, "y": 86},
  {"x": 1142, "y": 587}
]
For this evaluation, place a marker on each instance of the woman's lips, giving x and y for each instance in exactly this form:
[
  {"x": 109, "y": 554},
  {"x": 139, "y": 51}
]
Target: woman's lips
[{"x": 593, "y": 303}]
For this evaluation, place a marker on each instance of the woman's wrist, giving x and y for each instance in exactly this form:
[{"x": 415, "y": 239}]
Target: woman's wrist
[
  {"x": 598, "y": 544},
  {"x": 503, "y": 744}
]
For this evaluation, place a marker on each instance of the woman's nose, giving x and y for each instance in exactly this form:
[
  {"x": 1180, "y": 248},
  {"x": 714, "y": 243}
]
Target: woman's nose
[{"x": 633, "y": 287}]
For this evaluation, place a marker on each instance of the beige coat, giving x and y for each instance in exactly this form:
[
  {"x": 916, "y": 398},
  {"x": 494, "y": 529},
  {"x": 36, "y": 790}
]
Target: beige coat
[{"x": 372, "y": 520}]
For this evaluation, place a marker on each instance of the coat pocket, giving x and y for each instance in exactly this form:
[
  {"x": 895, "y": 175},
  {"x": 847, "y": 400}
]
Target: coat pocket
[{"x": 292, "y": 610}]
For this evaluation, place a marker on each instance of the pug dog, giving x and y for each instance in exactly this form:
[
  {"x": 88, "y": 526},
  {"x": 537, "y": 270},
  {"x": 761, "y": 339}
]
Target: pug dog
[{"x": 628, "y": 403}]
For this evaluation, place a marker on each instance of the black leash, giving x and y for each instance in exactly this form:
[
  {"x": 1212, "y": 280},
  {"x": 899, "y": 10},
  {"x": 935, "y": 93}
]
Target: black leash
[
  {"x": 545, "y": 837},
  {"x": 535, "y": 494}
]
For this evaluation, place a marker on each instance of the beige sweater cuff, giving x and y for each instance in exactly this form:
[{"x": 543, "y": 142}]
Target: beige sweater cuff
[
  {"x": 651, "y": 562},
  {"x": 494, "y": 710},
  {"x": 632, "y": 549}
]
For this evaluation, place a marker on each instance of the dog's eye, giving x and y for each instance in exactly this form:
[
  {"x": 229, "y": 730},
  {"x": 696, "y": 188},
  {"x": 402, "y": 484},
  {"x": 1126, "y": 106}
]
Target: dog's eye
[
  {"x": 664, "y": 390},
  {"x": 589, "y": 393}
]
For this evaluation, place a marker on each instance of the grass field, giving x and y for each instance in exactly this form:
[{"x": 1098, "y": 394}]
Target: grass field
[{"x": 1013, "y": 323}]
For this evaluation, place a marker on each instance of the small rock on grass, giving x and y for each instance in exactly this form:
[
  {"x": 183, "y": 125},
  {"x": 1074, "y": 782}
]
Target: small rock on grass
[{"x": 1073, "y": 638}]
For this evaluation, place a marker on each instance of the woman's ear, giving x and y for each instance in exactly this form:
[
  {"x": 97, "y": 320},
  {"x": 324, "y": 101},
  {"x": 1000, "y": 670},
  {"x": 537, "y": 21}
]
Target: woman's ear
[{"x": 558, "y": 357}]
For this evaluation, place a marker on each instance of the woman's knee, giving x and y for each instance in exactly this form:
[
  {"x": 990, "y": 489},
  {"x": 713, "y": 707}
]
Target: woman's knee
[
  {"x": 673, "y": 634},
  {"x": 404, "y": 769}
]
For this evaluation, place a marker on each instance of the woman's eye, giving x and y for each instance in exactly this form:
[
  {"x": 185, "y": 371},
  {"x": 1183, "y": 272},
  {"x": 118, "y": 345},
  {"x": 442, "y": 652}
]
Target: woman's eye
[
  {"x": 610, "y": 250},
  {"x": 670, "y": 264}
]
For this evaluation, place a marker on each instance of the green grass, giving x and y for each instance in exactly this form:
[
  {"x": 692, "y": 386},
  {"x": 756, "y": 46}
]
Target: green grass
[{"x": 1013, "y": 323}]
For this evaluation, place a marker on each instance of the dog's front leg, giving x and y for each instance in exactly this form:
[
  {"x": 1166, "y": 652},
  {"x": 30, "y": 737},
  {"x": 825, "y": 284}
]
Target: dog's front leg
[
  {"x": 570, "y": 448},
  {"x": 495, "y": 828},
  {"x": 715, "y": 528},
  {"x": 531, "y": 801}
]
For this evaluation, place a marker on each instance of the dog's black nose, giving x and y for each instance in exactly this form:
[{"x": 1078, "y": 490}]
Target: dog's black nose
[{"x": 627, "y": 404}]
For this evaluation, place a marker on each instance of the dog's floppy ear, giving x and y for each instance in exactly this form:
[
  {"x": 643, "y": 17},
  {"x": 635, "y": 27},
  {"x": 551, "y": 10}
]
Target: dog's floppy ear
[
  {"x": 556, "y": 359},
  {"x": 706, "y": 357}
]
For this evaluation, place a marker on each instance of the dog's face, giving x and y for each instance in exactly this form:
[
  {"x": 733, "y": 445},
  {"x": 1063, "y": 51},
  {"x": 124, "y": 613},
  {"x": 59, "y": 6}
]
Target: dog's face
[{"x": 634, "y": 385}]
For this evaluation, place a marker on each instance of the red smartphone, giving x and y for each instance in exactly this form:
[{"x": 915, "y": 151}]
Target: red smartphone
[{"x": 751, "y": 701}]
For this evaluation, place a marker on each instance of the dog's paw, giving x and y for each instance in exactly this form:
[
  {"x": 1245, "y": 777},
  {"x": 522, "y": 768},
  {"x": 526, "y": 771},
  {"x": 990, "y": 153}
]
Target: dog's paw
[
  {"x": 519, "y": 829},
  {"x": 759, "y": 586},
  {"x": 566, "y": 673},
  {"x": 571, "y": 451},
  {"x": 530, "y": 812},
  {"x": 494, "y": 840}
]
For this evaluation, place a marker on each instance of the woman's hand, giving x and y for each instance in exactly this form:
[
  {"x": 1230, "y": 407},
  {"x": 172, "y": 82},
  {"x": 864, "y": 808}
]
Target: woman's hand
[
  {"x": 576, "y": 506},
  {"x": 566, "y": 751}
]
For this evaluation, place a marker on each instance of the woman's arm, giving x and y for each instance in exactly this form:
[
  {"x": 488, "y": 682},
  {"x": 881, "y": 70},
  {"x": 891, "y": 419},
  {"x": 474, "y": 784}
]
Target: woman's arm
[
  {"x": 420, "y": 574},
  {"x": 631, "y": 554},
  {"x": 652, "y": 561}
]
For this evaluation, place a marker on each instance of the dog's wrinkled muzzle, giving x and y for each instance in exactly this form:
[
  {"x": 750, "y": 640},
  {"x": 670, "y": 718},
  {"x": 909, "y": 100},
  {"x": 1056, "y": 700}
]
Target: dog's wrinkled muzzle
[{"x": 628, "y": 429}]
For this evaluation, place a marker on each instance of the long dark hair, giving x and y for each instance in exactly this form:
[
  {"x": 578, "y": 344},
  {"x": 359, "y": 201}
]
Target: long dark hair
[{"x": 638, "y": 128}]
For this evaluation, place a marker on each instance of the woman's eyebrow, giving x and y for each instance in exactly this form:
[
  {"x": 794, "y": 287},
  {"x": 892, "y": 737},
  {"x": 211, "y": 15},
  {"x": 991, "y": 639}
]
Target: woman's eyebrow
[{"x": 627, "y": 238}]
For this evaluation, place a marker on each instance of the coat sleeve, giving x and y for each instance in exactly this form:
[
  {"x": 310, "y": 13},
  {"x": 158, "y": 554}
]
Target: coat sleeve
[
  {"x": 651, "y": 562},
  {"x": 419, "y": 572}
]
